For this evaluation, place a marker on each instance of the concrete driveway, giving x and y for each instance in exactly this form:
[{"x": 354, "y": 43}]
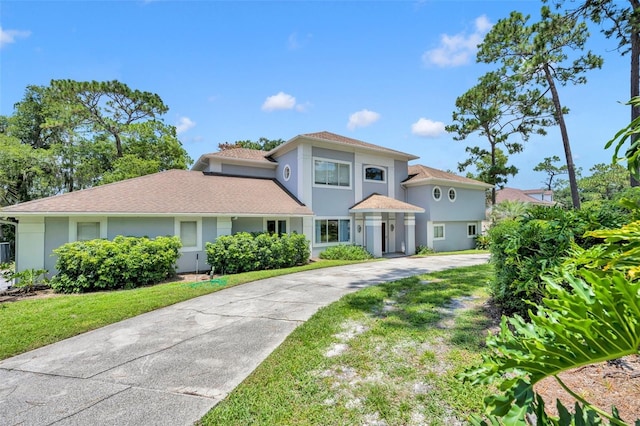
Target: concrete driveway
[{"x": 170, "y": 366}]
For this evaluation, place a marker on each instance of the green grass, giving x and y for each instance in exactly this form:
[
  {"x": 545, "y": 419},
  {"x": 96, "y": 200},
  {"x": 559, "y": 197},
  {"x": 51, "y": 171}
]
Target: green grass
[
  {"x": 31, "y": 323},
  {"x": 403, "y": 348},
  {"x": 447, "y": 253}
]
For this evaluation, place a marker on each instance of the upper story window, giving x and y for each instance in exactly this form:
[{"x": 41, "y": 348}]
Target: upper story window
[
  {"x": 452, "y": 194},
  {"x": 332, "y": 173},
  {"x": 286, "y": 172},
  {"x": 437, "y": 193},
  {"x": 374, "y": 174}
]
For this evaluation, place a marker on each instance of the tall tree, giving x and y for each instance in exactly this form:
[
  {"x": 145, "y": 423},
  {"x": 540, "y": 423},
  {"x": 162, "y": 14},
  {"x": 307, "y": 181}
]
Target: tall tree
[
  {"x": 623, "y": 24},
  {"x": 262, "y": 144},
  {"x": 552, "y": 171},
  {"x": 108, "y": 107},
  {"x": 498, "y": 109},
  {"x": 537, "y": 56}
]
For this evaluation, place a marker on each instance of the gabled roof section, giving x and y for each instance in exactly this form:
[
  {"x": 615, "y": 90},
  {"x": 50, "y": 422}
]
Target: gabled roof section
[
  {"x": 172, "y": 192},
  {"x": 381, "y": 203},
  {"x": 342, "y": 143},
  {"x": 250, "y": 157},
  {"x": 423, "y": 175},
  {"x": 514, "y": 194}
]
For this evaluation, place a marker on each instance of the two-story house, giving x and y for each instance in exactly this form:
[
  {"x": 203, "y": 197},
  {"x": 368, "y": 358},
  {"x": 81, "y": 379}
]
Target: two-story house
[{"x": 332, "y": 189}]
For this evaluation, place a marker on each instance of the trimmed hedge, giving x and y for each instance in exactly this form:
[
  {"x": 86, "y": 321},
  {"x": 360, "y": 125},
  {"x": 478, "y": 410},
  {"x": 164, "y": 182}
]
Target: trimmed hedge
[
  {"x": 243, "y": 252},
  {"x": 346, "y": 252},
  {"x": 125, "y": 262}
]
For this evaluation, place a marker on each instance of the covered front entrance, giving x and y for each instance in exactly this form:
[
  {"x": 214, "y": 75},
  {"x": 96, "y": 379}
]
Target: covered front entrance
[{"x": 385, "y": 225}]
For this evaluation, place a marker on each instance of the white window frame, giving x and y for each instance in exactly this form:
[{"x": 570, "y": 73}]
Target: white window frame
[
  {"x": 474, "y": 224},
  {"x": 176, "y": 232},
  {"x": 455, "y": 195},
  {"x": 331, "y": 160},
  {"x": 371, "y": 166},
  {"x": 286, "y": 173},
  {"x": 73, "y": 226},
  {"x": 433, "y": 193},
  {"x": 444, "y": 235},
  {"x": 338, "y": 218},
  {"x": 277, "y": 219}
]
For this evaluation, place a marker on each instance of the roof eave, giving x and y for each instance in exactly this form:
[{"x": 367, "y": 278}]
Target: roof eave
[
  {"x": 373, "y": 210},
  {"x": 436, "y": 181}
]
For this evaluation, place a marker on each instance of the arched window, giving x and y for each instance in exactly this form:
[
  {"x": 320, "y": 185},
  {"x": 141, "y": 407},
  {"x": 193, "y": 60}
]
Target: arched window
[{"x": 374, "y": 174}]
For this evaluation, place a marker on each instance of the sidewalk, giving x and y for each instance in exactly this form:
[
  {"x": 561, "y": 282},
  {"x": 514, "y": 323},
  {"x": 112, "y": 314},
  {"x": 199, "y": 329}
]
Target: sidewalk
[{"x": 170, "y": 366}]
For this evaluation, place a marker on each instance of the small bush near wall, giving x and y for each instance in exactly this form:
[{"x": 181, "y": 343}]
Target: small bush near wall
[
  {"x": 243, "y": 252},
  {"x": 346, "y": 252},
  {"x": 125, "y": 262}
]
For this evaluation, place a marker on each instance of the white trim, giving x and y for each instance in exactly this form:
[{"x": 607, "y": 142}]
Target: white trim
[
  {"x": 284, "y": 172},
  {"x": 176, "y": 232},
  {"x": 338, "y": 218},
  {"x": 373, "y": 166},
  {"x": 73, "y": 225},
  {"x": 472, "y": 224},
  {"x": 433, "y": 230},
  {"x": 433, "y": 193},
  {"x": 277, "y": 219},
  {"x": 330, "y": 160},
  {"x": 455, "y": 195}
]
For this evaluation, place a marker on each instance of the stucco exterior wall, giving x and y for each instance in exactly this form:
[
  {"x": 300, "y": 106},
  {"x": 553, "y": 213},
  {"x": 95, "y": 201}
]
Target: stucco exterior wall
[
  {"x": 232, "y": 169},
  {"x": 150, "y": 227},
  {"x": 56, "y": 234},
  {"x": 291, "y": 159}
]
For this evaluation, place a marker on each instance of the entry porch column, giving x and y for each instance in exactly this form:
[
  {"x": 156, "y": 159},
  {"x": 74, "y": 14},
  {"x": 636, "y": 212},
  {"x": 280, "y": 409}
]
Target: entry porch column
[
  {"x": 410, "y": 233},
  {"x": 373, "y": 226}
]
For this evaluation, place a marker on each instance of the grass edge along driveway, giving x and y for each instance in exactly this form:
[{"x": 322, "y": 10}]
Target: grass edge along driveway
[
  {"x": 385, "y": 355},
  {"x": 32, "y": 323}
]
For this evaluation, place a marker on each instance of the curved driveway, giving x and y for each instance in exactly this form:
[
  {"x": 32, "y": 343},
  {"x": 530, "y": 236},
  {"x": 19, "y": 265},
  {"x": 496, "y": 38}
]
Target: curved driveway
[{"x": 170, "y": 366}]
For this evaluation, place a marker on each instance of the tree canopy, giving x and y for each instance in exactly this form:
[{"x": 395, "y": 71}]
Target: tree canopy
[
  {"x": 262, "y": 144},
  {"x": 72, "y": 135}
]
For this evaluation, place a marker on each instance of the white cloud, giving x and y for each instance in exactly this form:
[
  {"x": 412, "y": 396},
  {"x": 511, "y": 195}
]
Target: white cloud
[
  {"x": 427, "y": 128},
  {"x": 294, "y": 42},
  {"x": 184, "y": 124},
  {"x": 279, "y": 101},
  {"x": 458, "y": 49},
  {"x": 362, "y": 118},
  {"x": 10, "y": 36}
]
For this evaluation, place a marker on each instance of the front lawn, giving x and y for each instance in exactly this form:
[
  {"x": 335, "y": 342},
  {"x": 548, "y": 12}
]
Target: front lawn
[
  {"x": 387, "y": 354},
  {"x": 31, "y": 323}
]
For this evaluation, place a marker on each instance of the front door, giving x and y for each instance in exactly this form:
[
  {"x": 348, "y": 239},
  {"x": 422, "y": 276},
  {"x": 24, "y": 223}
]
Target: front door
[{"x": 384, "y": 237}]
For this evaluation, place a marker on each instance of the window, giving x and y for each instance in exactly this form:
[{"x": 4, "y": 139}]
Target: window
[
  {"x": 190, "y": 233},
  {"x": 279, "y": 226},
  {"x": 438, "y": 232},
  {"x": 437, "y": 193},
  {"x": 332, "y": 173},
  {"x": 472, "y": 230},
  {"x": 374, "y": 174},
  {"x": 87, "y": 231},
  {"x": 87, "y": 228},
  {"x": 452, "y": 195},
  {"x": 286, "y": 172},
  {"x": 333, "y": 231}
]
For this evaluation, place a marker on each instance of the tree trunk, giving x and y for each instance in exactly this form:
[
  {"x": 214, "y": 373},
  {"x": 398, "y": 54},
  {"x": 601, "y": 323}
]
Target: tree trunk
[
  {"x": 573, "y": 184},
  {"x": 118, "y": 145},
  {"x": 493, "y": 177},
  {"x": 635, "y": 70}
]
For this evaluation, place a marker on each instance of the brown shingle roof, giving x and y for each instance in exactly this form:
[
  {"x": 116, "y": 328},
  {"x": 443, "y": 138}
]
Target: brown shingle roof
[
  {"x": 418, "y": 173},
  {"x": 172, "y": 192},
  {"x": 513, "y": 194},
  {"x": 242, "y": 154},
  {"x": 377, "y": 202},
  {"x": 343, "y": 140}
]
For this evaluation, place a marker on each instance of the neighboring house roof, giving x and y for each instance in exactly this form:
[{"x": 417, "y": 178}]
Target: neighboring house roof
[
  {"x": 513, "y": 194},
  {"x": 342, "y": 141},
  {"x": 247, "y": 156},
  {"x": 175, "y": 192},
  {"x": 538, "y": 191},
  {"x": 381, "y": 203},
  {"x": 423, "y": 175}
]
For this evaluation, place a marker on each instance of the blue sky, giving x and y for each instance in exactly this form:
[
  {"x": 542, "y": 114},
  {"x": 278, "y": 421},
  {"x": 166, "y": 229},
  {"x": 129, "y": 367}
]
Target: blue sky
[{"x": 386, "y": 72}]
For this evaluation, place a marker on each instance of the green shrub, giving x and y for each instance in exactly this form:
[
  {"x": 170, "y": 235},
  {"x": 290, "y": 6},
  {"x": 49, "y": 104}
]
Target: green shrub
[
  {"x": 524, "y": 248},
  {"x": 346, "y": 252},
  {"x": 125, "y": 262},
  {"x": 482, "y": 242},
  {"x": 29, "y": 279},
  {"x": 243, "y": 252},
  {"x": 421, "y": 250}
]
